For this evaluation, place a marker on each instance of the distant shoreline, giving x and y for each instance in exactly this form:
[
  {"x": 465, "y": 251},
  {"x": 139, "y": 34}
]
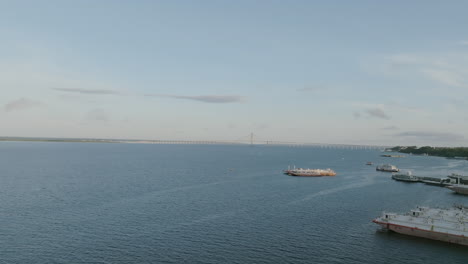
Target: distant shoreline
[
  {"x": 192, "y": 142},
  {"x": 77, "y": 140},
  {"x": 124, "y": 141},
  {"x": 447, "y": 152}
]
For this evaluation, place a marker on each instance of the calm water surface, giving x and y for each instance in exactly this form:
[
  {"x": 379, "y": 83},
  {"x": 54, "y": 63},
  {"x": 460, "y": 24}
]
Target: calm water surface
[{"x": 134, "y": 203}]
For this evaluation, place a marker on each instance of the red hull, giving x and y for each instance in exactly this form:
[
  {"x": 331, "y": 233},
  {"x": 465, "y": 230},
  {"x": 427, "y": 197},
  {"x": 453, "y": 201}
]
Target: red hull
[{"x": 414, "y": 231}]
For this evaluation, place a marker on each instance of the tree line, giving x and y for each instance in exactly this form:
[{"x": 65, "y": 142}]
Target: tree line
[{"x": 458, "y": 152}]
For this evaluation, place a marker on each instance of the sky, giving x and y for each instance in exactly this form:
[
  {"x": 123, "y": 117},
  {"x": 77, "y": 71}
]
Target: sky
[{"x": 343, "y": 72}]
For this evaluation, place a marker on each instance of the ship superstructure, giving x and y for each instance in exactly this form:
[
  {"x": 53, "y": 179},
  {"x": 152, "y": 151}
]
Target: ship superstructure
[
  {"x": 387, "y": 167},
  {"x": 449, "y": 225}
]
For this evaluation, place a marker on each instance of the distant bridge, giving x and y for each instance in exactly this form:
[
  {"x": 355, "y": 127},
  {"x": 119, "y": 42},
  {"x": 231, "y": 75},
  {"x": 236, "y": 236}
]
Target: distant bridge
[
  {"x": 246, "y": 140},
  {"x": 251, "y": 140},
  {"x": 269, "y": 143}
]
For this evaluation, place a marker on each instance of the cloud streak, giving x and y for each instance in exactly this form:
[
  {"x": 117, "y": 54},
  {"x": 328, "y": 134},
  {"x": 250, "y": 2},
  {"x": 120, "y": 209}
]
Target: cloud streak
[
  {"x": 22, "y": 104},
  {"x": 219, "y": 99},
  {"x": 377, "y": 112},
  {"x": 310, "y": 89},
  {"x": 390, "y": 128},
  {"x": 444, "y": 77},
  {"x": 357, "y": 115},
  {"x": 448, "y": 69},
  {"x": 87, "y": 91}
]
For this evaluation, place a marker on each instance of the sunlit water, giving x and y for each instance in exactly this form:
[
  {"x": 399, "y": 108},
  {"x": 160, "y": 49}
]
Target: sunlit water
[{"x": 134, "y": 203}]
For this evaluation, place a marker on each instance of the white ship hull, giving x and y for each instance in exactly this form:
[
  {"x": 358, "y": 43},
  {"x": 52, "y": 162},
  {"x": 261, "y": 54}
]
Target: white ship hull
[
  {"x": 459, "y": 189},
  {"x": 418, "y": 232}
]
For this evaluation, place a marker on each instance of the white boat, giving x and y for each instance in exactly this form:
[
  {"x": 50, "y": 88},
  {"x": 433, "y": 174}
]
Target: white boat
[
  {"x": 459, "y": 188},
  {"x": 387, "y": 167},
  {"x": 449, "y": 225}
]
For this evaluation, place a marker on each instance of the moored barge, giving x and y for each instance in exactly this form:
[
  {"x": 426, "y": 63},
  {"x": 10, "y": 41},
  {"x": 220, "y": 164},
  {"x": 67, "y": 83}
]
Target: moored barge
[{"x": 449, "y": 225}]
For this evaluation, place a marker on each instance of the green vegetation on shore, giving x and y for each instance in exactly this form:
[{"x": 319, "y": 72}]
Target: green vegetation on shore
[{"x": 458, "y": 152}]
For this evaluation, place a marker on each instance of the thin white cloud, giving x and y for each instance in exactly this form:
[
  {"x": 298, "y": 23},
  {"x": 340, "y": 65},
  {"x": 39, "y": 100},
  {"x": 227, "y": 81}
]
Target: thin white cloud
[
  {"x": 220, "y": 99},
  {"x": 22, "y": 104},
  {"x": 390, "y": 128},
  {"x": 311, "y": 89},
  {"x": 446, "y": 77},
  {"x": 448, "y": 69},
  {"x": 87, "y": 91},
  {"x": 463, "y": 43}
]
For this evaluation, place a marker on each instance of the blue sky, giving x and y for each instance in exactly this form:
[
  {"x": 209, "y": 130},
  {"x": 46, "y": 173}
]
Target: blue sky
[{"x": 357, "y": 72}]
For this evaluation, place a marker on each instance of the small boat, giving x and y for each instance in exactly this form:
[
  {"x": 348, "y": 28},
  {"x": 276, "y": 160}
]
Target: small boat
[
  {"x": 387, "y": 168},
  {"x": 408, "y": 177},
  {"x": 369, "y": 163},
  {"x": 392, "y": 156}
]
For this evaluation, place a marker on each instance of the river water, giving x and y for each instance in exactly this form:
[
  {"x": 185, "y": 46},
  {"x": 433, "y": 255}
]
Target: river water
[{"x": 143, "y": 203}]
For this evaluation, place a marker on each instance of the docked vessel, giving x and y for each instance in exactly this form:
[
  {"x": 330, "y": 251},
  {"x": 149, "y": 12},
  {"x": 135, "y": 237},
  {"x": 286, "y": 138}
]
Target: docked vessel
[
  {"x": 392, "y": 156},
  {"x": 459, "y": 188},
  {"x": 452, "y": 179},
  {"x": 449, "y": 225},
  {"x": 387, "y": 167},
  {"x": 439, "y": 182},
  {"x": 309, "y": 172},
  {"x": 408, "y": 177}
]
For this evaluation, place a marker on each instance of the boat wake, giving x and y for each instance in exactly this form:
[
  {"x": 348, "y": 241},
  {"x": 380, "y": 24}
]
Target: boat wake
[{"x": 368, "y": 181}]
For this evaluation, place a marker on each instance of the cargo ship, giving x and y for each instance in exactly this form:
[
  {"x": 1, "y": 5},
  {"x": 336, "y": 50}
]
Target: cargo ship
[
  {"x": 387, "y": 167},
  {"x": 309, "y": 172},
  {"x": 449, "y": 225}
]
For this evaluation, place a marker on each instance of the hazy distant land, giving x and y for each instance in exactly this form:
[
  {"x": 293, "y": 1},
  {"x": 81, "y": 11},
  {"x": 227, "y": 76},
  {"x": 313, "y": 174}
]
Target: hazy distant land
[
  {"x": 81, "y": 140},
  {"x": 100, "y": 140}
]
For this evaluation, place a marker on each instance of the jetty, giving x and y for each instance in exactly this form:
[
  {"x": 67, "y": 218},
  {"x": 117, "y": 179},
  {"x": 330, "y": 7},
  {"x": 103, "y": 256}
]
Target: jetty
[{"x": 453, "y": 179}]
